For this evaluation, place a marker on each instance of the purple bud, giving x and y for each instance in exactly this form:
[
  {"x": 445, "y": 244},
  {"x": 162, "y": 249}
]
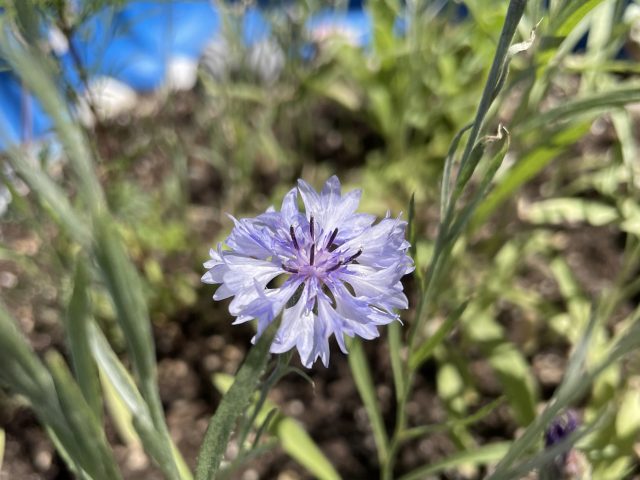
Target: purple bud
[{"x": 560, "y": 428}]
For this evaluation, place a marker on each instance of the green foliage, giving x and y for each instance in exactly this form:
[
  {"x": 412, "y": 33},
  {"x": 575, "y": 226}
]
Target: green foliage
[
  {"x": 501, "y": 202},
  {"x": 57, "y": 401}
]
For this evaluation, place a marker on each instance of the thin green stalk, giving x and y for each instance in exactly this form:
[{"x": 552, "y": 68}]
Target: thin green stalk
[
  {"x": 444, "y": 242},
  {"x": 514, "y": 13},
  {"x": 233, "y": 404}
]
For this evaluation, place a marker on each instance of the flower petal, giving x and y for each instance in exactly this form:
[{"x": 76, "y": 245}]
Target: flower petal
[{"x": 311, "y": 199}]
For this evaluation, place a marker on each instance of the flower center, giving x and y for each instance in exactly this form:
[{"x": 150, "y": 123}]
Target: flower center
[{"x": 319, "y": 259}]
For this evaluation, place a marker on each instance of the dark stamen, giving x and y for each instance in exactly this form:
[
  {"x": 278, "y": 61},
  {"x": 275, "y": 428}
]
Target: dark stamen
[
  {"x": 311, "y": 229},
  {"x": 293, "y": 237},
  {"x": 290, "y": 270},
  {"x": 344, "y": 262},
  {"x": 335, "y": 267},
  {"x": 354, "y": 256},
  {"x": 313, "y": 250},
  {"x": 332, "y": 237}
]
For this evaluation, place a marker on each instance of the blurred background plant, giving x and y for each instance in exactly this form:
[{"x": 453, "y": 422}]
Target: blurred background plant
[{"x": 525, "y": 293}]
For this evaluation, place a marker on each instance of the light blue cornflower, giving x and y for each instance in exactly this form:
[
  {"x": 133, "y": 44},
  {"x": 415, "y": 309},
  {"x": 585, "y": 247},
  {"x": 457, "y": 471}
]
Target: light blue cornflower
[{"x": 332, "y": 270}]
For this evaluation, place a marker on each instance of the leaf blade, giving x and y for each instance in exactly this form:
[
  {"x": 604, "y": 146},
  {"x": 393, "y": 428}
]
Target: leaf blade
[
  {"x": 235, "y": 401},
  {"x": 364, "y": 383}
]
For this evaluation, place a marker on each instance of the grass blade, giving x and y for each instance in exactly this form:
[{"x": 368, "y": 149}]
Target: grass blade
[
  {"x": 300, "y": 446},
  {"x": 445, "y": 190},
  {"x": 76, "y": 326},
  {"x": 571, "y": 15},
  {"x": 366, "y": 389},
  {"x": 23, "y": 372},
  {"x": 514, "y": 14},
  {"x": 120, "y": 275},
  {"x": 122, "y": 382},
  {"x": 592, "y": 104},
  {"x": 85, "y": 424}
]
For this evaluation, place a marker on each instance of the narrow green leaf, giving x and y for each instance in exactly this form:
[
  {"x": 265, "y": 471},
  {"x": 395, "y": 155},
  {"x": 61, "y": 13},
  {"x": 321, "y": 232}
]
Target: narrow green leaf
[
  {"x": 445, "y": 189},
  {"x": 23, "y": 372},
  {"x": 98, "y": 458},
  {"x": 571, "y": 15},
  {"x": 466, "y": 170},
  {"x": 112, "y": 368},
  {"x": 76, "y": 329},
  {"x": 119, "y": 413},
  {"x": 515, "y": 11},
  {"x": 264, "y": 425},
  {"x": 500, "y": 142},
  {"x": 444, "y": 243},
  {"x": 481, "y": 456},
  {"x": 295, "y": 441},
  {"x": 366, "y": 388},
  {"x": 427, "y": 348},
  {"x": 623, "y": 123},
  {"x": 118, "y": 376},
  {"x": 125, "y": 287},
  {"x": 34, "y": 70},
  {"x": 299, "y": 445},
  {"x": 233, "y": 404},
  {"x": 63, "y": 451},
  {"x": 592, "y": 104}
]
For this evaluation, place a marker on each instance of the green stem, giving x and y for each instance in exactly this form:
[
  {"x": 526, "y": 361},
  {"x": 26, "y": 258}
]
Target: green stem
[{"x": 444, "y": 241}]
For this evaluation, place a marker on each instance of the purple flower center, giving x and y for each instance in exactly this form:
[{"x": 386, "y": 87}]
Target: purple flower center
[{"x": 316, "y": 257}]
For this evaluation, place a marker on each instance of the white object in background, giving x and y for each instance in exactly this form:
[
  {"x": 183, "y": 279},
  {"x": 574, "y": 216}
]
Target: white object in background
[
  {"x": 182, "y": 73},
  {"x": 108, "y": 98}
]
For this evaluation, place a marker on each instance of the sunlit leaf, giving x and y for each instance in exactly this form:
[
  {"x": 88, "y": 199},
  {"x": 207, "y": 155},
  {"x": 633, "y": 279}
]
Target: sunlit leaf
[{"x": 559, "y": 211}]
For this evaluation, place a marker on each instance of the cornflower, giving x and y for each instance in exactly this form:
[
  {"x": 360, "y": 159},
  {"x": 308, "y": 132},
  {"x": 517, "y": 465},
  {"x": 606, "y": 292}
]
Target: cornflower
[{"x": 329, "y": 271}]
